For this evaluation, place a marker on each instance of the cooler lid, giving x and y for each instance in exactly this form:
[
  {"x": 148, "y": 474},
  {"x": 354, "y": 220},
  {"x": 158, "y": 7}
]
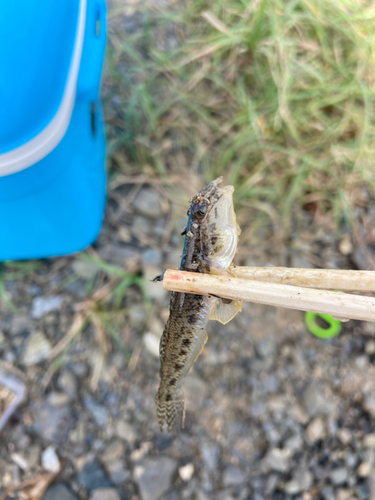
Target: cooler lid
[{"x": 38, "y": 75}]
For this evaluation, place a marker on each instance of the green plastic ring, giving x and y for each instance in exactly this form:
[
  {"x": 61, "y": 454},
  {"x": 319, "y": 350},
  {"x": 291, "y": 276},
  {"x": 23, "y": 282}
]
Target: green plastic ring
[{"x": 323, "y": 333}]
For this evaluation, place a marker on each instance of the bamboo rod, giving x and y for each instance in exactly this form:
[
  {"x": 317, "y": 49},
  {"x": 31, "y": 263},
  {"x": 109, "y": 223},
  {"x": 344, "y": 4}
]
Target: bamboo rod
[
  {"x": 339, "y": 305},
  {"x": 327, "y": 279}
]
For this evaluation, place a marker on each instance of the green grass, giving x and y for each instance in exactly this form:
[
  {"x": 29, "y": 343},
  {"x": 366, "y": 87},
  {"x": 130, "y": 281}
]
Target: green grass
[{"x": 279, "y": 95}]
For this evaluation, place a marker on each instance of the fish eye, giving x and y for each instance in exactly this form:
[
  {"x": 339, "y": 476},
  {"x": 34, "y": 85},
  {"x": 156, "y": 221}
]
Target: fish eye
[
  {"x": 203, "y": 210},
  {"x": 188, "y": 212}
]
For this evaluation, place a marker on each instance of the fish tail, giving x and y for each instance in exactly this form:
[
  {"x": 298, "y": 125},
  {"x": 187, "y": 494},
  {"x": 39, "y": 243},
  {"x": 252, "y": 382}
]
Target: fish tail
[{"x": 168, "y": 406}]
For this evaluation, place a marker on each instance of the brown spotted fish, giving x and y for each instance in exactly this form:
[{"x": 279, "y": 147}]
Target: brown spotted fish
[{"x": 210, "y": 245}]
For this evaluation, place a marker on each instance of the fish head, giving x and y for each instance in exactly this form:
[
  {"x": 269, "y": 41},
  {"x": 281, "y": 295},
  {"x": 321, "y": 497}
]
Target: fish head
[{"x": 212, "y": 210}]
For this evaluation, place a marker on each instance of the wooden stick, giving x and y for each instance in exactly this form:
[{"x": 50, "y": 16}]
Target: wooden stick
[
  {"x": 339, "y": 305},
  {"x": 327, "y": 279}
]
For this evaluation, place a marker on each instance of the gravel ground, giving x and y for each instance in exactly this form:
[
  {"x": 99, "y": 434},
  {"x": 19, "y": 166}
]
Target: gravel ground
[{"x": 272, "y": 412}]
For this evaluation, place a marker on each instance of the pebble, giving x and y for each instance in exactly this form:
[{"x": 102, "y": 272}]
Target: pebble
[
  {"x": 86, "y": 270},
  {"x": 126, "y": 431},
  {"x": 117, "y": 472},
  {"x": 328, "y": 493},
  {"x": 147, "y": 203},
  {"x": 364, "y": 469},
  {"x": 369, "y": 403},
  {"x": 59, "y": 492},
  {"x": 370, "y": 347},
  {"x": 314, "y": 401},
  {"x": 113, "y": 452},
  {"x": 122, "y": 256},
  {"x": 278, "y": 459},
  {"x": 67, "y": 383},
  {"x": 53, "y": 419},
  {"x": 210, "y": 453},
  {"x": 50, "y": 461},
  {"x": 37, "y": 347},
  {"x": 142, "y": 225},
  {"x": 300, "y": 482},
  {"x": 92, "y": 477},
  {"x": 19, "y": 325},
  {"x": 315, "y": 430},
  {"x": 294, "y": 443},
  {"x": 97, "y": 411},
  {"x": 233, "y": 476},
  {"x": 265, "y": 347},
  {"x": 105, "y": 494},
  {"x": 344, "y": 495},
  {"x": 369, "y": 441},
  {"x": 152, "y": 256},
  {"x": 43, "y": 305},
  {"x": 339, "y": 475},
  {"x": 154, "y": 476},
  {"x": 186, "y": 472}
]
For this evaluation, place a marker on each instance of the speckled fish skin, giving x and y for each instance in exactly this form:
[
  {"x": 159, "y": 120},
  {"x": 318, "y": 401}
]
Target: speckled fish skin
[{"x": 210, "y": 245}]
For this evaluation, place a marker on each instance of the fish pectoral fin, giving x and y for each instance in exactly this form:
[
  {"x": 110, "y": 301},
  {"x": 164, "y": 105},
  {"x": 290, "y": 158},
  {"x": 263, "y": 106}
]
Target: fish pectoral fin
[
  {"x": 200, "y": 350},
  {"x": 225, "y": 311}
]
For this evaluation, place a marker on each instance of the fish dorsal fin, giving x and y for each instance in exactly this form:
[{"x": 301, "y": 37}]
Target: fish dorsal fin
[{"x": 225, "y": 311}]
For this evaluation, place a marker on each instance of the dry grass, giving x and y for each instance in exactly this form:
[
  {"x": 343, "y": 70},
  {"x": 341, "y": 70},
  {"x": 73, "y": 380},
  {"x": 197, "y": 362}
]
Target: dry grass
[{"x": 277, "y": 95}]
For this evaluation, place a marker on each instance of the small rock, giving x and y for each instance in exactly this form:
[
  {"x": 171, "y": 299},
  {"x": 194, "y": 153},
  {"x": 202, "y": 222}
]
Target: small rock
[
  {"x": 50, "y": 461},
  {"x": 126, "y": 431},
  {"x": 53, "y": 419},
  {"x": 345, "y": 245},
  {"x": 364, "y": 469},
  {"x": 186, "y": 472},
  {"x": 278, "y": 459},
  {"x": 233, "y": 476},
  {"x": 117, "y": 472},
  {"x": 344, "y": 495},
  {"x": 300, "y": 482},
  {"x": 266, "y": 347},
  {"x": 86, "y": 270},
  {"x": 151, "y": 343},
  {"x": 141, "y": 225},
  {"x": 67, "y": 383},
  {"x": 122, "y": 256},
  {"x": 43, "y": 305},
  {"x": 294, "y": 443},
  {"x": 370, "y": 347},
  {"x": 152, "y": 256},
  {"x": 339, "y": 476},
  {"x": 360, "y": 259},
  {"x": 59, "y": 492},
  {"x": 369, "y": 441},
  {"x": 210, "y": 454},
  {"x": 105, "y": 494},
  {"x": 147, "y": 202},
  {"x": 113, "y": 452},
  {"x": 315, "y": 430},
  {"x": 344, "y": 435},
  {"x": 19, "y": 325},
  {"x": 154, "y": 477},
  {"x": 98, "y": 412},
  {"x": 37, "y": 347},
  {"x": 328, "y": 493},
  {"x": 315, "y": 402},
  {"x": 369, "y": 403},
  {"x": 92, "y": 477}
]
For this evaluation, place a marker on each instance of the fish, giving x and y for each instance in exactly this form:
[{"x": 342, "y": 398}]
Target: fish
[{"x": 211, "y": 238}]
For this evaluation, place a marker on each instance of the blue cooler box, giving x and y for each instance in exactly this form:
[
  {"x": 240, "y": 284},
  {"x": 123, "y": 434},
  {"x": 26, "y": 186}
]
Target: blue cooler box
[{"x": 52, "y": 147}]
